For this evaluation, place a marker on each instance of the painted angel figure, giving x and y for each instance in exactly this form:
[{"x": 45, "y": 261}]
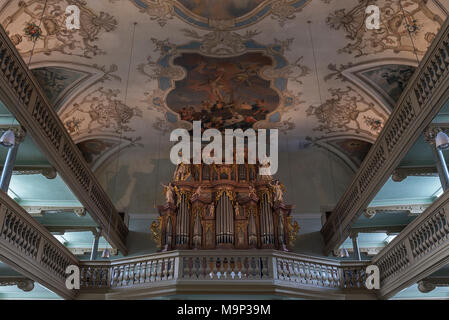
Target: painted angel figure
[
  {"x": 278, "y": 190},
  {"x": 169, "y": 192}
]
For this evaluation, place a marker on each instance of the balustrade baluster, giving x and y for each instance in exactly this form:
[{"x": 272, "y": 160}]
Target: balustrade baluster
[
  {"x": 136, "y": 278},
  {"x": 211, "y": 267},
  {"x": 245, "y": 268},
  {"x": 280, "y": 269},
  {"x": 144, "y": 272},
  {"x": 265, "y": 271},
  {"x": 232, "y": 271},
  {"x": 153, "y": 270},
  {"x": 203, "y": 268},
  {"x": 196, "y": 268},
  {"x": 126, "y": 275},
  {"x": 186, "y": 268},
  {"x": 171, "y": 268}
]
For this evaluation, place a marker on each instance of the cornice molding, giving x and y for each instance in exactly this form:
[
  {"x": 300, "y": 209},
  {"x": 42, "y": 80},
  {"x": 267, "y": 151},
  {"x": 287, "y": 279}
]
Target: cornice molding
[
  {"x": 401, "y": 173},
  {"x": 47, "y": 172},
  {"x": 22, "y": 283},
  {"x": 42, "y": 210},
  {"x": 411, "y": 209}
]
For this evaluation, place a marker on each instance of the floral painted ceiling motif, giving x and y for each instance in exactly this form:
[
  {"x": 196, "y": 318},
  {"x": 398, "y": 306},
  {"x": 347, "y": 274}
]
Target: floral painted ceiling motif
[{"x": 309, "y": 68}]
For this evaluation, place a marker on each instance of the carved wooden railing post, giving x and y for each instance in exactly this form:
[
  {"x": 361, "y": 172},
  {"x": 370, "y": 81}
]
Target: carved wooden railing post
[
  {"x": 426, "y": 92},
  {"x": 37, "y": 116}
]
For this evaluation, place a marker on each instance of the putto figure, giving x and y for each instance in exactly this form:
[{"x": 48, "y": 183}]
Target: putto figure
[
  {"x": 169, "y": 192},
  {"x": 278, "y": 190}
]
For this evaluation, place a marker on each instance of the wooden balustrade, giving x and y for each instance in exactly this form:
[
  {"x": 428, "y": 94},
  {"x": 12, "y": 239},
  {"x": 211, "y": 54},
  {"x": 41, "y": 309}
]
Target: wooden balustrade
[
  {"x": 176, "y": 269},
  {"x": 30, "y": 249},
  {"x": 425, "y": 94},
  {"x": 418, "y": 251},
  {"x": 21, "y": 94}
]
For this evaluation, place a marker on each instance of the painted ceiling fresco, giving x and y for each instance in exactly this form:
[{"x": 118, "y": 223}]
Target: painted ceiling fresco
[
  {"x": 221, "y": 10},
  {"x": 355, "y": 149},
  {"x": 138, "y": 69},
  {"x": 57, "y": 82},
  {"x": 390, "y": 80},
  {"x": 223, "y": 14},
  {"x": 91, "y": 149},
  {"x": 223, "y": 93}
]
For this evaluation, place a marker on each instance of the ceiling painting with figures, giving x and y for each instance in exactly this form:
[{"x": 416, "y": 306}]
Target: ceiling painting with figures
[{"x": 223, "y": 92}]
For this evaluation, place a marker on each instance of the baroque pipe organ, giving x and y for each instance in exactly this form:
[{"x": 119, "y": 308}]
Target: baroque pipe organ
[{"x": 223, "y": 206}]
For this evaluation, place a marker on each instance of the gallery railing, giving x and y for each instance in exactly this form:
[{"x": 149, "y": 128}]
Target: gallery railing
[
  {"x": 426, "y": 92},
  {"x": 419, "y": 250},
  {"x": 21, "y": 94},
  {"x": 202, "y": 268},
  {"x": 31, "y": 250}
]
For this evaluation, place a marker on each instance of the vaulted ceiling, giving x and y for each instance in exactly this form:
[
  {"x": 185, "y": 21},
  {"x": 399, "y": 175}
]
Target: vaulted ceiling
[{"x": 136, "y": 69}]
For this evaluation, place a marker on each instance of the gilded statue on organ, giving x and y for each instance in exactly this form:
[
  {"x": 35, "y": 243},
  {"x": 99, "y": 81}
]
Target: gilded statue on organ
[{"x": 224, "y": 206}]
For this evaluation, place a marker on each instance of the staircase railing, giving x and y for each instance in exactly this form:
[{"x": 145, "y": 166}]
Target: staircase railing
[
  {"x": 21, "y": 94},
  {"x": 425, "y": 94},
  {"x": 419, "y": 250},
  {"x": 31, "y": 250}
]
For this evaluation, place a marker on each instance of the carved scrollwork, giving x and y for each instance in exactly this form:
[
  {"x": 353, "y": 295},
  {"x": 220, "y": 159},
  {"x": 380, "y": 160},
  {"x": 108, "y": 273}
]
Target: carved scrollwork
[{"x": 156, "y": 231}]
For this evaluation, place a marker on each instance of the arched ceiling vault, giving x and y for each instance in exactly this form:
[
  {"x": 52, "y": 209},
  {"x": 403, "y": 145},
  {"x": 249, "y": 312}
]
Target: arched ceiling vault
[{"x": 307, "y": 67}]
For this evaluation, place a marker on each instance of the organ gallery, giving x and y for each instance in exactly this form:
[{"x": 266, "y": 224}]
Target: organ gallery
[{"x": 224, "y": 206}]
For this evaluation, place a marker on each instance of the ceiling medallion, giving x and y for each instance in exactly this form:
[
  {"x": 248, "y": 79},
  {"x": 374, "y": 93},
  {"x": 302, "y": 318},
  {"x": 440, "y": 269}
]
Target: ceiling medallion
[{"x": 235, "y": 85}]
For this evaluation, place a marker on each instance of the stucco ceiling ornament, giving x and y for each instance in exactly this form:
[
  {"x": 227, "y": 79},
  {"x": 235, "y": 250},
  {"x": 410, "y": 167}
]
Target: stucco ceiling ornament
[
  {"x": 153, "y": 71},
  {"x": 225, "y": 15},
  {"x": 159, "y": 10},
  {"x": 221, "y": 43},
  {"x": 52, "y": 36},
  {"x": 283, "y": 11},
  {"x": 341, "y": 113},
  {"x": 293, "y": 71},
  {"x": 105, "y": 111},
  {"x": 395, "y": 31}
]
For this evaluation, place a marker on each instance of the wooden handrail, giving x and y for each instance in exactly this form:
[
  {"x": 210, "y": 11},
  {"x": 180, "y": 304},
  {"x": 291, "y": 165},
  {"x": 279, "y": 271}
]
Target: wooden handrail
[
  {"x": 21, "y": 93},
  {"x": 425, "y": 94},
  {"x": 418, "y": 251},
  {"x": 30, "y": 249}
]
